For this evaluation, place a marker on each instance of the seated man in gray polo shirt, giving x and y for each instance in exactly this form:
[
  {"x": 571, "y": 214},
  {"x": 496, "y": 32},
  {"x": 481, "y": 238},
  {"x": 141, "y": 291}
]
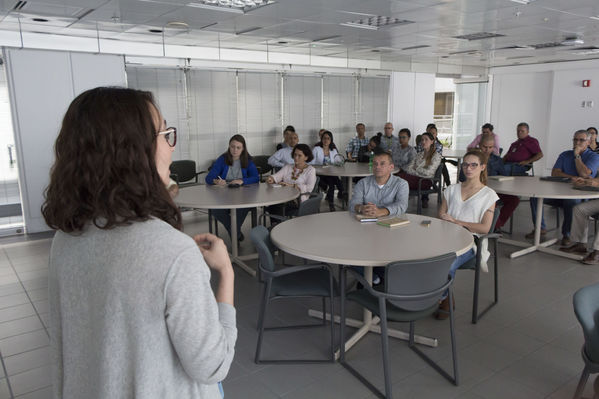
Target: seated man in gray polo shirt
[{"x": 382, "y": 193}]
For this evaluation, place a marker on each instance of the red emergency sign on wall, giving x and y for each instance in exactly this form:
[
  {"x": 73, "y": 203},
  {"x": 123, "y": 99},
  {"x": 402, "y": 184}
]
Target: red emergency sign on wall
[{"x": 586, "y": 83}]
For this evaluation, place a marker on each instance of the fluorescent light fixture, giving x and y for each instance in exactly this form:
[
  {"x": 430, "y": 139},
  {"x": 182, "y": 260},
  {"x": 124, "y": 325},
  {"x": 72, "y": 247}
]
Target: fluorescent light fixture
[
  {"x": 234, "y": 6},
  {"x": 523, "y": 1},
  {"x": 376, "y": 22}
]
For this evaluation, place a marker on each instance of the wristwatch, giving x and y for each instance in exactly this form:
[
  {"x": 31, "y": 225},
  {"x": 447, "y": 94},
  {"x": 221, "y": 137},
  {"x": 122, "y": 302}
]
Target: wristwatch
[{"x": 577, "y": 156}]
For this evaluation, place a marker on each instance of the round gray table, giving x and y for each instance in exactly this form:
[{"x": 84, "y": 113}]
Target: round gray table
[
  {"x": 338, "y": 238},
  {"x": 533, "y": 187},
  {"x": 222, "y": 197}
]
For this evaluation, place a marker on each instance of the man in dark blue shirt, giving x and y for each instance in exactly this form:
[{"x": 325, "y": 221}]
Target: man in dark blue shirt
[{"x": 580, "y": 161}]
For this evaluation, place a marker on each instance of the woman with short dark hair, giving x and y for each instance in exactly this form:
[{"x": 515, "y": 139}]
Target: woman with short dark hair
[{"x": 132, "y": 312}]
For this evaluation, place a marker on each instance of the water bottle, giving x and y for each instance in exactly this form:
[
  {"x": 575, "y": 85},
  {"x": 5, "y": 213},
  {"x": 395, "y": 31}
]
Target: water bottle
[{"x": 370, "y": 158}]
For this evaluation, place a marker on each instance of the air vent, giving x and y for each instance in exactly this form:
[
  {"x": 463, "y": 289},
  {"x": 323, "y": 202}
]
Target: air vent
[
  {"x": 466, "y": 52},
  {"x": 416, "y": 47},
  {"x": 519, "y": 57},
  {"x": 377, "y": 22},
  {"x": 478, "y": 36},
  {"x": 248, "y": 30},
  {"x": 19, "y": 5},
  {"x": 546, "y": 45}
]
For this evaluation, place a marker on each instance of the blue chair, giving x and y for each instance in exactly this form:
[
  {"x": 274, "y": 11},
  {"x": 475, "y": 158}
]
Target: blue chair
[
  {"x": 315, "y": 280},
  {"x": 412, "y": 292},
  {"x": 586, "y": 307}
]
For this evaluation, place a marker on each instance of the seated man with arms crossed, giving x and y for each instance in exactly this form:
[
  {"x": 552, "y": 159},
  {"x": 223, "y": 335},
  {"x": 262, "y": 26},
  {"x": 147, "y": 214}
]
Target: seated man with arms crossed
[
  {"x": 578, "y": 162},
  {"x": 283, "y": 156},
  {"x": 522, "y": 152},
  {"x": 580, "y": 225},
  {"x": 380, "y": 194}
]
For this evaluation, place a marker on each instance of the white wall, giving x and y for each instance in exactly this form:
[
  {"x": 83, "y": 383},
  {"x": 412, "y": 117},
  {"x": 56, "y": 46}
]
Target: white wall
[
  {"x": 522, "y": 97},
  {"x": 549, "y": 98},
  {"x": 411, "y": 101},
  {"x": 39, "y": 101}
]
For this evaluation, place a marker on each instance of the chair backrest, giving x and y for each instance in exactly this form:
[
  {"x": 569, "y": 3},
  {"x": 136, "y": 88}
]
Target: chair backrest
[
  {"x": 260, "y": 236},
  {"x": 184, "y": 169},
  {"x": 261, "y": 162},
  {"x": 439, "y": 171},
  {"x": 495, "y": 217},
  {"x": 316, "y": 183},
  {"x": 586, "y": 307},
  {"x": 418, "y": 277},
  {"x": 310, "y": 206}
]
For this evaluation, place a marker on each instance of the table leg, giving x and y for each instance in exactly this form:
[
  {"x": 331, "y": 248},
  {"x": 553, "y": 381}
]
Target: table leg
[
  {"x": 538, "y": 245},
  {"x": 350, "y": 182},
  {"x": 370, "y": 324},
  {"x": 235, "y": 258}
]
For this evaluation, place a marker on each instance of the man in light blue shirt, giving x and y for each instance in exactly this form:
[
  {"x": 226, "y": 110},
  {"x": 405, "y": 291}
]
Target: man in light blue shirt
[
  {"x": 577, "y": 162},
  {"x": 389, "y": 141},
  {"x": 382, "y": 193},
  {"x": 283, "y": 156}
]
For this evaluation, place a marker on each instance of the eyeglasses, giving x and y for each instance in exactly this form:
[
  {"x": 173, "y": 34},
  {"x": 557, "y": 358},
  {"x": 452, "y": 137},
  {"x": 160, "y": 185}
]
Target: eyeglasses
[
  {"x": 579, "y": 140},
  {"x": 472, "y": 165},
  {"x": 170, "y": 134}
]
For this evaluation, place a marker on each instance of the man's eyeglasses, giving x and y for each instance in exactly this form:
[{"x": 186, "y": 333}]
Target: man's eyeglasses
[
  {"x": 579, "y": 140},
  {"x": 472, "y": 165},
  {"x": 170, "y": 134}
]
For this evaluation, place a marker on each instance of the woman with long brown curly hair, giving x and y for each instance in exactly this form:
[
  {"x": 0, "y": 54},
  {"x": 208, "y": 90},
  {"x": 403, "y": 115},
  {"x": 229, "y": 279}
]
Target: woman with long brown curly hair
[{"x": 132, "y": 312}]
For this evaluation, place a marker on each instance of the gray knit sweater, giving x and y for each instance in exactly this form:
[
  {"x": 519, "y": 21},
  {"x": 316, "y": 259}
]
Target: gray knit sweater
[{"x": 132, "y": 315}]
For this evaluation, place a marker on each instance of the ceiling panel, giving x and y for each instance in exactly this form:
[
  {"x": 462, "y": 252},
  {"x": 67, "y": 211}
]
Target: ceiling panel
[{"x": 313, "y": 27}]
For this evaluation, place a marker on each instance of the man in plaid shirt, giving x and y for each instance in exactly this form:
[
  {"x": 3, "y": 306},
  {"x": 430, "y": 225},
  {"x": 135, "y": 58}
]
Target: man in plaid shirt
[{"x": 355, "y": 143}]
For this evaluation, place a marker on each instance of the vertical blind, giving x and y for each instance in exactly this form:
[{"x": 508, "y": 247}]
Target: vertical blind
[
  {"x": 259, "y": 111},
  {"x": 302, "y": 103},
  {"x": 339, "y": 108},
  {"x": 209, "y": 106},
  {"x": 373, "y": 103}
]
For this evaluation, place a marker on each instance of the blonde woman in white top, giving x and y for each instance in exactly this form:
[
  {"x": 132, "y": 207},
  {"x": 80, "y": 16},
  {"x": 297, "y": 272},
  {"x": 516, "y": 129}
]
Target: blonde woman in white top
[
  {"x": 470, "y": 204},
  {"x": 423, "y": 165},
  {"x": 325, "y": 153}
]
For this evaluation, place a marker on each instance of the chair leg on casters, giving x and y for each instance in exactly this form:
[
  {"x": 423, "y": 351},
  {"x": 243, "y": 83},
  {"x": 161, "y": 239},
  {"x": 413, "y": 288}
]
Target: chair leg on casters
[
  {"x": 476, "y": 287},
  {"x": 496, "y": 271},
  {"x": 331, "y": 299}
]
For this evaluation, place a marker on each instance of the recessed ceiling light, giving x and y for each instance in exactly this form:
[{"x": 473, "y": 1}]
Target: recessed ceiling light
[
  {"x": 376, "y": 22},
  {"x": 523, "y": 1},
  {"x": 235, "y": 6},
  {"x": 177, "y": 25},
  {"x": 595, "y": 17},
  {"x": 479, "y": 36},
  {"x": 282, "y": 42},
  {"x": 39, "y": 19},
  {"x": 155, "y": 30}
]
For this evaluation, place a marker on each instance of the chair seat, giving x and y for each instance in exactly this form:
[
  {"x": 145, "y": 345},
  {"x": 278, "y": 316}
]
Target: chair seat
[
  {"x": 313, "y": 282},
  {"x": 370, "y": 302}
]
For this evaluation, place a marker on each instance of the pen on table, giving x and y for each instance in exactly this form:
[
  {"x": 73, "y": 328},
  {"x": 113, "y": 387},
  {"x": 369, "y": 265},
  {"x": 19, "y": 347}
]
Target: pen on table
[{"x": 219, "y": 178}]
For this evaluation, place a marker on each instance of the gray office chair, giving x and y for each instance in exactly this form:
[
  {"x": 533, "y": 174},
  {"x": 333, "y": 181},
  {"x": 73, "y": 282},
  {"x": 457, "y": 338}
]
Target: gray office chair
[
  {"x": 412, "y": 292},
  {"x": 436, "y": 187},
  {"x": 184, "y": 173},
  {"x": 295, "y": 281},
  {"x": 474, "y": 264},
  {"x": 586, "y": 307}
]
